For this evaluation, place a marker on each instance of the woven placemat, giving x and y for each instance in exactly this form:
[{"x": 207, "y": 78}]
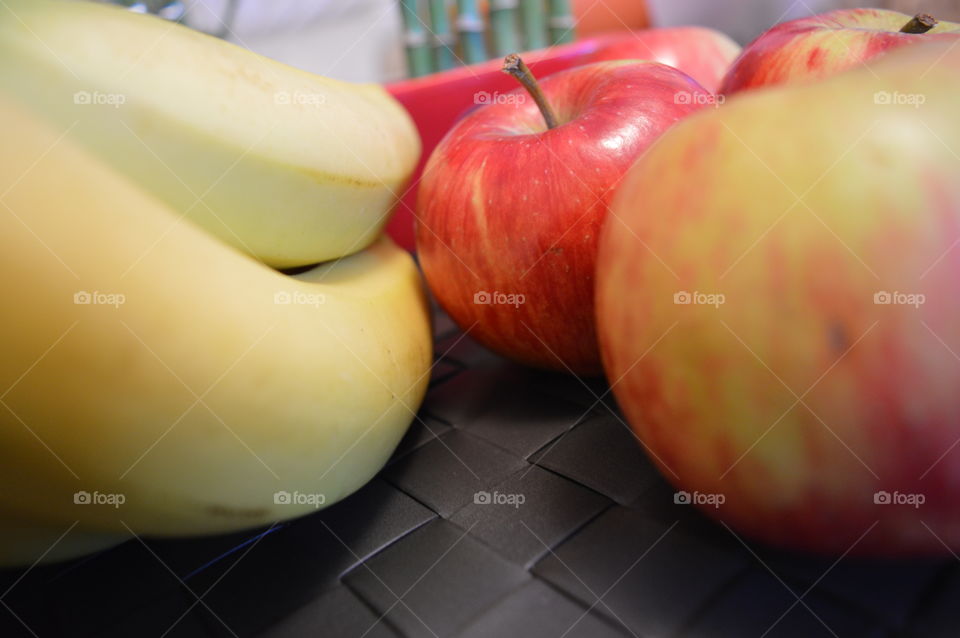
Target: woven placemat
[{"x": 519, "y": 504}]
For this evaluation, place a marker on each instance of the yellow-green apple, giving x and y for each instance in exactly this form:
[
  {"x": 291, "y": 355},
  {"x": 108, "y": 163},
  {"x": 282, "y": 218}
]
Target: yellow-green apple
[
  {"x": 703, "y": 54},
  {"x": 821, "y": 45},
  {"x": 510, "y": 204},
  {"x": 779, "y": 309}
]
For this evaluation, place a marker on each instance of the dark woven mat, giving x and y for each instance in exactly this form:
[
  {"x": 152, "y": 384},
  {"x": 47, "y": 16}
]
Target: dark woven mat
[{"x": 597, "y": 548}]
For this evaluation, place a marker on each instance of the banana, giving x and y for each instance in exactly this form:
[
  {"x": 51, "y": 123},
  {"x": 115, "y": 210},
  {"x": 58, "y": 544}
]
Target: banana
[
  {"x": 25, "y": 543},
  {"x": 156, "y": 381},
  {"x": 287, "y": 166}
]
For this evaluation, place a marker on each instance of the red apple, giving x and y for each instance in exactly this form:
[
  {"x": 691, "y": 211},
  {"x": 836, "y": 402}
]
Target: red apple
[
  {"x": 703, "y": 54},
  {"x": 509, "y": 210},
  {"x": 821, "y": 45},
  {"x": 779, "y": 310}
]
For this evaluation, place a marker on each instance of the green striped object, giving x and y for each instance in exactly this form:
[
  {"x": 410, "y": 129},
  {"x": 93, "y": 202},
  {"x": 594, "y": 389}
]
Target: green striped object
[
  {"x": 444, "y": 39},
  {"x": 415, "y": 38},
  {"x": 562, "y": 23},
  {"x": 515, "y": 25},
  {"x": 503, "y": 22}
]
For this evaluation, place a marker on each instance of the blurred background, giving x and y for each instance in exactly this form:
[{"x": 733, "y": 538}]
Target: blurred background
[{"x": 363, "y": 40}]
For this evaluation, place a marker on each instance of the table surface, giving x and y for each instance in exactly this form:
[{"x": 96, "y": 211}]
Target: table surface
[{"x": 597, "y": 548}]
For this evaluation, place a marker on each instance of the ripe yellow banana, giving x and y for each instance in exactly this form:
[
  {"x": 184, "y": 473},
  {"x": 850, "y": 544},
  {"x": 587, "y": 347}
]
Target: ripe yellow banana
[
  {"x": 25, "y": 543},
  {"x": 290, "y": 167},
  {"x": 153, "y": 378}
]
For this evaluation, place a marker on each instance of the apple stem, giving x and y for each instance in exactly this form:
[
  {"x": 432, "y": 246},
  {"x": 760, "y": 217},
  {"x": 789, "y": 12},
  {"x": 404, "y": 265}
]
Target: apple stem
[
  {"x": 513, "y": 65},
  {"x": 921, "y": 23}
]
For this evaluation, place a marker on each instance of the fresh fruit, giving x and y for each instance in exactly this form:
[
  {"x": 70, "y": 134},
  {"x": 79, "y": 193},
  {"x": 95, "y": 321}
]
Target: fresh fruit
[
  {"x": 779, "y": 310},
  {"x": 290, "y": 167},
  {"x": 509, "y": 210},
  {"x": 24, "y": 543},
  {"x": 819, "y": 46},
  {"x": 144, "y": 361},
  {"x": 703, "y": 54}
]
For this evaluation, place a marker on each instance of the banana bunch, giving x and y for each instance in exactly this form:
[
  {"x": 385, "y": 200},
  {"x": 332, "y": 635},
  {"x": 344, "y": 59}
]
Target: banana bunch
[
  {"x": 290, "y": 167},
  {"x": 157, "y": 376}
]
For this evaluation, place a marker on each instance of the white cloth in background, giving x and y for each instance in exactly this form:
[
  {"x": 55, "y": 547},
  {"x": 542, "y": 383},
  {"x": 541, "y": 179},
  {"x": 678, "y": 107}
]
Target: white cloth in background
[
  {"x": 742, "y": 20},
  {"x": 264, "y": 16},
  {"x": 361, "y": 40},
  {"x": 354, "y": 40}
]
